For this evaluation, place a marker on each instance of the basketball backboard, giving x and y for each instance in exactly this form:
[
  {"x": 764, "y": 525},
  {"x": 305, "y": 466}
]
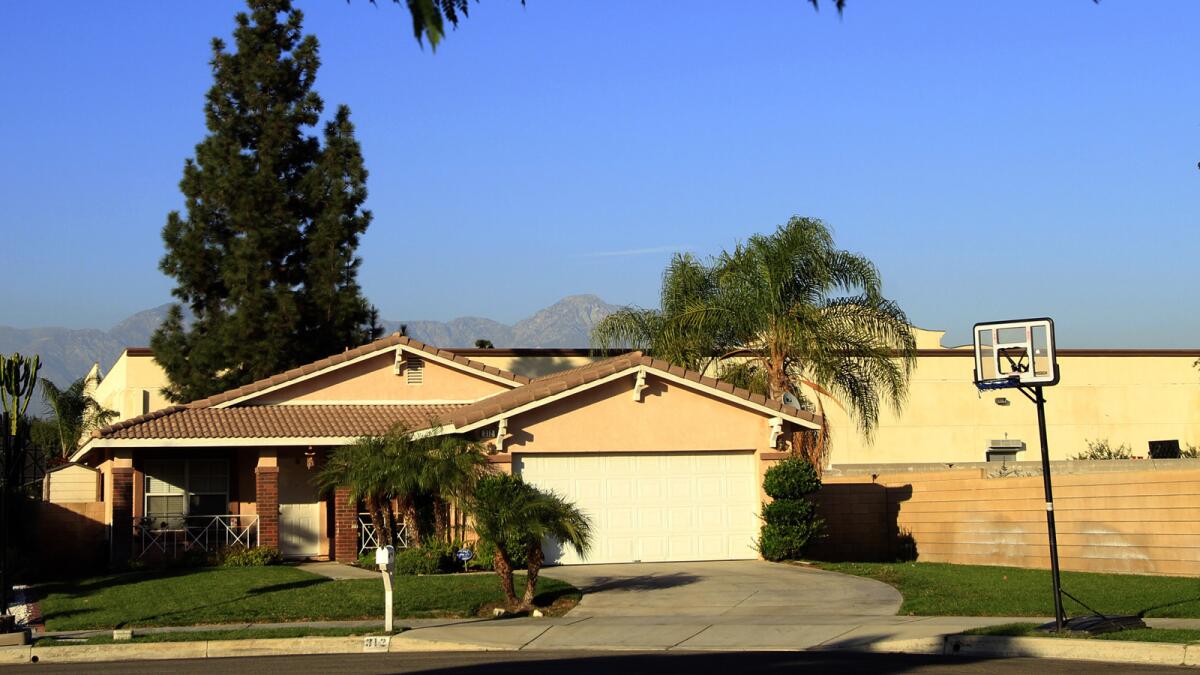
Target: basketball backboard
[{"x": 1017, "y": 353}]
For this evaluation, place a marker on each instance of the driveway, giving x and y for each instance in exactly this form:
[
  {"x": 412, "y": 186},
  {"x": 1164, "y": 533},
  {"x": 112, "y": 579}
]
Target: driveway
[
  {"x": 724, "y": 591},
  {"x": 729, "y": 605}
]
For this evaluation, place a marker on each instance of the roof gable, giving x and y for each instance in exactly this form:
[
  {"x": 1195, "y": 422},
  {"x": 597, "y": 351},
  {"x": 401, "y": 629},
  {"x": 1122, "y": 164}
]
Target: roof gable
[
  {"x": 350, "y": 357},
  {"x": 546, "y": 389}
]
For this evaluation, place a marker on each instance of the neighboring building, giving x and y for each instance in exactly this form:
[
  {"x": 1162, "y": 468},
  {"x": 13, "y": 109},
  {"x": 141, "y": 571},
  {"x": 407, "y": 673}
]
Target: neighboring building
[
  {"x": 666, "y": 461},
  {"x": 1124, "y": 396},
  {"x": 133, "y": 386}
]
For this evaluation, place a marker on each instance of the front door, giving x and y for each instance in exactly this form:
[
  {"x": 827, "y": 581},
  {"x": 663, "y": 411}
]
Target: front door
[{"x": 299, "y": 510}]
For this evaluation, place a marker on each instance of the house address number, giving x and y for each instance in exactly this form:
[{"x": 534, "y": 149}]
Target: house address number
[{"x": 377, "y": 643}]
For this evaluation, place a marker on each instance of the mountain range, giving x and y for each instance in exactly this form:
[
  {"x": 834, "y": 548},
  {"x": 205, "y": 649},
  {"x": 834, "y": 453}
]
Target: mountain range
[{"x": 68, "y": 353}]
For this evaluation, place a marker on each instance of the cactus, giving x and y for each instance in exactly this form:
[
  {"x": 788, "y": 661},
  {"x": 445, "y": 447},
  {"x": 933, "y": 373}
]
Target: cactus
[{"x": 18, "y": 378}]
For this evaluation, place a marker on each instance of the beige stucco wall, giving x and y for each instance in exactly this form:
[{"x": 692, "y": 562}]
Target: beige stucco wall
[
  {"x": 133, "y": 386},
  {"x": 1125, "y": 399},
  {"x": 606, "y": 418},
  {"x": 375, "y": 379}
]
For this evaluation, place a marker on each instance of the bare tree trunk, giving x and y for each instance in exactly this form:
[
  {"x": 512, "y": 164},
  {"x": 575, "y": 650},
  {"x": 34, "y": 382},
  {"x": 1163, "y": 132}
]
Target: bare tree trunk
[
  {"x": 440, "y": 516},
  {"x": 409, "y": 508},
  {"x": 532, "y": 569},
  {"x": 374, "y": 508},
  {"x": 389, "y": 520},
  {"x": 503, "y": 568}
]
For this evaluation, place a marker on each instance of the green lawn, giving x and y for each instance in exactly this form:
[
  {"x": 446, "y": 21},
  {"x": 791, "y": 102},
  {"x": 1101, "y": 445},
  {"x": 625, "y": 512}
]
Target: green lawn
[
  {"x": 937, "y": 589},
  {"x": 1138, "y": 635},
  {"x": 264, "y": 595}
]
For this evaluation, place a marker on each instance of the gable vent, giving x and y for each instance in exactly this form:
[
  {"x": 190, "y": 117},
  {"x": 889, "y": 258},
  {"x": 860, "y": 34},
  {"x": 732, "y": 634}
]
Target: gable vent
[{"x": 414, "y": 370}]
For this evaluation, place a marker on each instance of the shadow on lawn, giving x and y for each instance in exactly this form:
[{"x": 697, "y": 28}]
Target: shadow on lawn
[{"x": 1185, "y": 601}]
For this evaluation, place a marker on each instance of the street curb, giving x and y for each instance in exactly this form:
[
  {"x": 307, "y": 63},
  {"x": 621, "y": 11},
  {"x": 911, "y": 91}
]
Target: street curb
[
  {"x": 212, "y": 649},
  {"x": 1143, "y": 653}
]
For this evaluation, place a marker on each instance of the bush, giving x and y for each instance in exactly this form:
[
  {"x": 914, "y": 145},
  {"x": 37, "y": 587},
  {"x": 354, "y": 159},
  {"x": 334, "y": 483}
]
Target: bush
[
  {"x": 793, "y": 478},
  {"x": 485, "y": 553},
  {"x": 428, "y": 559},
  {"x": 1102, "y": 449},
  {"x": 790, "y": 521},
  {"x": 240, "y": 556}
]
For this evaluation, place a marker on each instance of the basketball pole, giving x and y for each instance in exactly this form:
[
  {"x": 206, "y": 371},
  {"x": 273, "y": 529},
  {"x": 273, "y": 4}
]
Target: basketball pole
[{"x": 1059, "y": 616}]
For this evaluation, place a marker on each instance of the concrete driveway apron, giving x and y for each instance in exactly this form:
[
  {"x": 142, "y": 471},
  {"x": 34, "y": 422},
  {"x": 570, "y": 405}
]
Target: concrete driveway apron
[{"x": 724, "y": 591}]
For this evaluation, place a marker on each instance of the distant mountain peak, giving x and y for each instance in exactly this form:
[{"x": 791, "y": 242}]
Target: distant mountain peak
[{"x": 67, "y": 354}]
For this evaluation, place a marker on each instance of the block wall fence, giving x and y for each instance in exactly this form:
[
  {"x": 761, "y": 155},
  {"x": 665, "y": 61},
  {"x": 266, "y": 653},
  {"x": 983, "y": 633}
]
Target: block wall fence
[{"x": 1139, "y": 522}]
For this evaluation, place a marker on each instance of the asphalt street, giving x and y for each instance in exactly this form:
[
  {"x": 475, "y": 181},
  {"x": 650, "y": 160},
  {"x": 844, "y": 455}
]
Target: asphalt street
[{"x": 587, "y": 663}]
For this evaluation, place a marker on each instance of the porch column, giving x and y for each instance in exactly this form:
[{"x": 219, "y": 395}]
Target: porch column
[
  {"x": 121, "y": 527},
  {"x": 345, "y": 526},
  {"x": 266, "y": 496}
]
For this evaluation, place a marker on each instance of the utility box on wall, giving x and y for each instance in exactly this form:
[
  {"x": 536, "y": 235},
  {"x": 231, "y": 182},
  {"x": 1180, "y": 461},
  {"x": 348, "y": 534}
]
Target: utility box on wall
[{"x": 1004, "y": 450}]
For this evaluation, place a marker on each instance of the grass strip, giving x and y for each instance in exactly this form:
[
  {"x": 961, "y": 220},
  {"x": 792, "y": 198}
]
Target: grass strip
[{"x": 940, "y": 589}]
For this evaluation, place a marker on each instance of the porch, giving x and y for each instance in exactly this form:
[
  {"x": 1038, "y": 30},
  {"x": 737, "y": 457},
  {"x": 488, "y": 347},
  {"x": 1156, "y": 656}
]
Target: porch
[{"x": 167, "y": 502}]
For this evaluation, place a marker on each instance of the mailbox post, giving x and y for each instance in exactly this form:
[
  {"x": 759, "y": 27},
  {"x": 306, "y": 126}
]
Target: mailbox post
[{"x": 385, "y": 557}]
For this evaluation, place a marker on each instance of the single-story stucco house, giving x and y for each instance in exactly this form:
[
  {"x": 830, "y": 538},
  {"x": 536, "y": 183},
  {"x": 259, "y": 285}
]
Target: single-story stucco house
[{"x": 667, "y": 462}]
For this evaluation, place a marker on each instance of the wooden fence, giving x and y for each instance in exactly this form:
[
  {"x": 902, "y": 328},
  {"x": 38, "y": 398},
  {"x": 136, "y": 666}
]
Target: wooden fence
[{"x": 1144, "y": 522}]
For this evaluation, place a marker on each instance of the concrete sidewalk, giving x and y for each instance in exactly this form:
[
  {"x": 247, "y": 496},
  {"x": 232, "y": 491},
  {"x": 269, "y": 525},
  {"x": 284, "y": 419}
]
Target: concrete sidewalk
[{"x": 696, "y": 632}]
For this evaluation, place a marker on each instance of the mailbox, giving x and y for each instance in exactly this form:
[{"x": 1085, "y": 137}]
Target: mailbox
[{"x": 384, "y": 557}]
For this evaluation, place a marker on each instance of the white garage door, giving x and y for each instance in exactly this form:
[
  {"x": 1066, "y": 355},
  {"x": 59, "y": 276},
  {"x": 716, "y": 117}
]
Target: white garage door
[{"x": 655, "y": 507}]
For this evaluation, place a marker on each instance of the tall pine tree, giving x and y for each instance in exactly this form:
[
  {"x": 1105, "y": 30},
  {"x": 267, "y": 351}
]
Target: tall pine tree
[{"x": 264, "y": 258}]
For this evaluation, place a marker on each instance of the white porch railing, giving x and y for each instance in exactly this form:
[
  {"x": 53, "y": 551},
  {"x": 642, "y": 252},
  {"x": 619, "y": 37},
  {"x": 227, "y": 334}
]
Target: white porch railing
[
  {"x": 173, "y": 535},
  {"x": 367, "y": 541}
]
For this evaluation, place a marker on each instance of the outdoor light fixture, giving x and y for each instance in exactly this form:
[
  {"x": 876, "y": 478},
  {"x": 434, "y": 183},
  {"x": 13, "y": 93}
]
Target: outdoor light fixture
[
  {"x": 310, "y": 459},
  {"x": 1002, "y": 401}
]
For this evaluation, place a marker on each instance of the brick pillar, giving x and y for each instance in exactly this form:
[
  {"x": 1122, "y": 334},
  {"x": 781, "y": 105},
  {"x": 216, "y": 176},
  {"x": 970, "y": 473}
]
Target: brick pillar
[
  {"x": 345, "y": 526},
  {"x": 121, "y": 537},
  {"x": 266, "y": 495}
]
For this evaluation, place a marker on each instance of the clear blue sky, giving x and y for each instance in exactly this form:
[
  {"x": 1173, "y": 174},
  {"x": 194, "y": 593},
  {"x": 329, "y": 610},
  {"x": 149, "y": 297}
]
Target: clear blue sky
[{"x": 995, "y": 159}]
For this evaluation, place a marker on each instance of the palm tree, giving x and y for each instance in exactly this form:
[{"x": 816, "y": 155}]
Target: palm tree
[
  {"x": 450, "y": 467},
  {"x": 549, "y": 516},
  {"x": 686, "y": 282},
  {"x": 509, "y": 512},
  {"x": 366, "y": 468},
  {"x": 392, "y": 474},
  {"x": 780, "y": 313},
  {"x": 495, "y": 508},
  {"x": 76, "y": 412}
]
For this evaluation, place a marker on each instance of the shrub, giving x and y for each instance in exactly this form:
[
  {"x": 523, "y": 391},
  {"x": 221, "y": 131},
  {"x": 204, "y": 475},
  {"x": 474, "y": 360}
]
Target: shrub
[
  {"x": 790, "y": 521},
  {"x": 240, "y": 556},
  {"x": 1102, "y": 449},
  {"x": 485, "y": 552},
  {"x": 429, "y": 559},
  {"x": 793, "y": 478}
]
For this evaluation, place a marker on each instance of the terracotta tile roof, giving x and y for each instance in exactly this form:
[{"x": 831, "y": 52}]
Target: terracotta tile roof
[
  {"x": 278, "y": 421},
  {"x": 556, "y": 383},
  {"x": 392, "y": 340},
  {"x": 158, "y": 427}
]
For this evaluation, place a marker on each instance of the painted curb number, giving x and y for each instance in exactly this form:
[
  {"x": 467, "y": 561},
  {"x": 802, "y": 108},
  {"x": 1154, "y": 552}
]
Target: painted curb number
[{"x": 377, "y": 643}]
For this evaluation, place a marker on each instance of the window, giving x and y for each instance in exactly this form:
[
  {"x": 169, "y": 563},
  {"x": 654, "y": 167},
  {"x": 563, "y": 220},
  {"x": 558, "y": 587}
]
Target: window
[
  {"x": 414, "y": 370},
  {"x": 178, "y": 488}
]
